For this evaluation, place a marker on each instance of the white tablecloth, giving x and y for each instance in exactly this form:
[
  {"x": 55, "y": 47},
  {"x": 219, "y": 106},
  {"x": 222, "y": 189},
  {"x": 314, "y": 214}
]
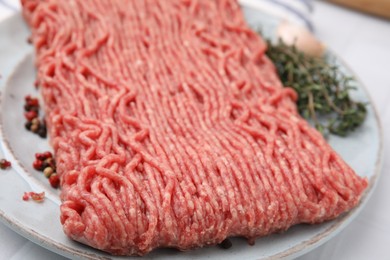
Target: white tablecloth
[{"x": 364, "y": 43}]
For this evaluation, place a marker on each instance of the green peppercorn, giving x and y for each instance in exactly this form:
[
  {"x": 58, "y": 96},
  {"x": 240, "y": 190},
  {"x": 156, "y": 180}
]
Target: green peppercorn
[
  {"x": 34, "y": 128},
  {"x": 48, "y": 171},
  {"x": 35, "y": 121}
]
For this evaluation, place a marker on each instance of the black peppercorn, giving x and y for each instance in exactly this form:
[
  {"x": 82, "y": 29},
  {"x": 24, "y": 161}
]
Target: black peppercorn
[
  {"x": 42, "y": 132},
  {"x": 226, "y": 244},
  {"x": 28, "y": 125}
]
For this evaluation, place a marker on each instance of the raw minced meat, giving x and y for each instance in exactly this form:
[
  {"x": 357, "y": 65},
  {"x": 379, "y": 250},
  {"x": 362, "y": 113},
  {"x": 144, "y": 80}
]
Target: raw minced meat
[{"x": 171, "y": 128}]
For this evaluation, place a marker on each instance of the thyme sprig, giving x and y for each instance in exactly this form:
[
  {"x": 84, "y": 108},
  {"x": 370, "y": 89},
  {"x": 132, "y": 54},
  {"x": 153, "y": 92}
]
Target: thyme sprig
[{"x": 322, "y": 88}]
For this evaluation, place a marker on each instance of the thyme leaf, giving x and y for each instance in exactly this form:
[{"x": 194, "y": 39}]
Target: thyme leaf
[{"x": 323, "y": 89}]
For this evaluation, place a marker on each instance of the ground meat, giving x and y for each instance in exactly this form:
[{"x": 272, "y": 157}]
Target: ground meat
[{"x": 171, "y": 129}]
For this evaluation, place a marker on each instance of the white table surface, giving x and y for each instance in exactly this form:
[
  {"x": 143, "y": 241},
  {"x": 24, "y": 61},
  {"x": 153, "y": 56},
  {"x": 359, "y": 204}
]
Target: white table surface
[{"x": 364, "y": 43}]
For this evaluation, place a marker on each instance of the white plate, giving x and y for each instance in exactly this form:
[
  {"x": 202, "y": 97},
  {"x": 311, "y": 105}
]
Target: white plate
[{"x": 40, "y": 223}]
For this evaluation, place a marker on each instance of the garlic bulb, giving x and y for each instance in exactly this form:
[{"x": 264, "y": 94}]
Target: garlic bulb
[{"x": 304, "y": 40}]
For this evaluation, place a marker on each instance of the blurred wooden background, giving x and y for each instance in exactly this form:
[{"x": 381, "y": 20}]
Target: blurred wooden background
[{"x": 374, "y": 7}]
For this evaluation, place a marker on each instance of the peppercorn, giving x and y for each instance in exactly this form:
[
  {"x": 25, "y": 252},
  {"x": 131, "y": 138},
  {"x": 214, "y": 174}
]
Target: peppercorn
[
  {"x": 226, "y": 244},
  {"x": 54, "y": 180},
  {"x": 34, "y": 128},
  {"x": 42, "y": 132},
  {"x": 38, "y": 165},
  {"x": 33, "y": 102},
  {"x": 48, "y": 154},
  {"x": 40, "y": 156},
  {"x": 27, "y": 107},
  {"x": 28, "y": 125},
  {"x": 48, "y": 171},
  {"x": 4, "y": 164},
  {"x": 26, "y": 196},
  {"x": 30, "y": 115},
  {"x": 32, "y": 112},
  {"x": 35, "y": 121},
  {"x": 50, "y": 162}
]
